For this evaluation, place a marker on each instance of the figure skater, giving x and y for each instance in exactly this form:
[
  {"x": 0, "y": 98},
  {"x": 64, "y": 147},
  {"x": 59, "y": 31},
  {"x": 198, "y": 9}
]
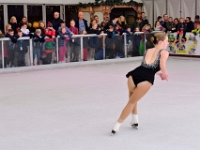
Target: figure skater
[{"x": 141, "y": 79}]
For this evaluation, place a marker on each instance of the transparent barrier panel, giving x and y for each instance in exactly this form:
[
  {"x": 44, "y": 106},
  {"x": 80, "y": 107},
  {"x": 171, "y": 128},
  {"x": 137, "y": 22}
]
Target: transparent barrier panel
[
  {"x": 93, "y": 48},
  {"x": 1, "y": 54},
  {"x": 136, "y": 45},
  {"x": 44, "y": 51},
  {"x": 74, "y": 52},
  {"x": 69, "y": 49},
  {"x": 16, "y": 54},
  {"x": 114, "y": 47}
]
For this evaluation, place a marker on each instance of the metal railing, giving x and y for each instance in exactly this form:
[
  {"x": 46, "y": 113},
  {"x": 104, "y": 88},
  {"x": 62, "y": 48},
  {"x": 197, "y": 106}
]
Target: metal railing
[{"x": 88, "y": 47}]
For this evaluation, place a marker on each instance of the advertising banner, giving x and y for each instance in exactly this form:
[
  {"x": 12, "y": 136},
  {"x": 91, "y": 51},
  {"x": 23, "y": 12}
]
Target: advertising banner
[{"x": 184, "y": 45}]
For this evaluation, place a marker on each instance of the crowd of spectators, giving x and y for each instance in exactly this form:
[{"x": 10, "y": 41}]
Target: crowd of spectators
[{"x": 44, "y": 43}]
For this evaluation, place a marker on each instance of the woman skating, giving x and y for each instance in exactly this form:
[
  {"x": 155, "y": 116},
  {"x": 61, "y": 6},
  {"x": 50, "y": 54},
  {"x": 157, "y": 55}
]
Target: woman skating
[{"x": 141, "y": 79}]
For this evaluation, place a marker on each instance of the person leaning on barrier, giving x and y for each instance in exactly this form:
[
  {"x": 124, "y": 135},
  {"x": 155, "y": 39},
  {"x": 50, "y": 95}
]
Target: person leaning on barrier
[
  {"x": 93, "y": 41},
  {"x": 21, "y": 49},
  {"x": 110, "y": 42},
  {"x": 1, "y": 63},
  {"x": 38, "y": 41},
  {"x": 74, "y": 43},
  {"x": 11, "y": 48}
]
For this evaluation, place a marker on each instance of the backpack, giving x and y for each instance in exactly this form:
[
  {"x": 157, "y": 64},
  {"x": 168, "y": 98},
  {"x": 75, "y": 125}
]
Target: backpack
[{"x": 49, "y": 45}]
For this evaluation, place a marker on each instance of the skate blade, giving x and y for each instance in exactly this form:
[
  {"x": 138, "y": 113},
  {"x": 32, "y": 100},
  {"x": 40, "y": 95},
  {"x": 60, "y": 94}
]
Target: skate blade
[
  {"x": 135, "y": 126},
  {"x": 113, "y": 133}
]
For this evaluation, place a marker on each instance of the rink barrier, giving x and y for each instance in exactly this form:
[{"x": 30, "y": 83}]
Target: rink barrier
[{"x": 80, "y": 39}]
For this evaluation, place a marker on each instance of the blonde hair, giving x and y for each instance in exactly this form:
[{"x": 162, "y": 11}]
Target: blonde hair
[
  {"x": 161, "y": 36},
  {"x": 146, "y": 27},
  {"x": 12, "y": 18},
  {"x": 7, "y": 27},
  {"x": 120, "y": 22}
]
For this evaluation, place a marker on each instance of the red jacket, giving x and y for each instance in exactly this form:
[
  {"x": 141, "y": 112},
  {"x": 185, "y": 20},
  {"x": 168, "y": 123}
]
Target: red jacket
[
  {"x": 74, "y": 30},
  {"x": 50, "y": 32}
]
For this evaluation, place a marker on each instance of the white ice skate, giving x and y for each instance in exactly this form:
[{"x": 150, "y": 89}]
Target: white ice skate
[
  {"x": 134, "y": 121},
  {"x": 115, "y": 128}
]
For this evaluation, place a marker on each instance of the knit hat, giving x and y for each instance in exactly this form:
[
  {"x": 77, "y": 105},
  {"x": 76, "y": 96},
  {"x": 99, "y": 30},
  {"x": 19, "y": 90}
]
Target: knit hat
[{"x": 49, "y": 24}]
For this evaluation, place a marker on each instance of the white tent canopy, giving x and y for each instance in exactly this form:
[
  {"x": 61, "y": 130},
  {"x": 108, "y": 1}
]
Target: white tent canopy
[{"x": 174, "y": 8}]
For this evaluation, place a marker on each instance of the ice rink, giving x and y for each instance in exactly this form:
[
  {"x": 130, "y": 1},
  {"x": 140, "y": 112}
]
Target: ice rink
[{"x": 74, "y": 108}]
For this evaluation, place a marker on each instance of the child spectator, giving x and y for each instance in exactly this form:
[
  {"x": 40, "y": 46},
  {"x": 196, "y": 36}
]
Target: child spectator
[
  {"x": 50, "y": 31},
  {"x": 110, "y": 42},
  {"x": 93, "y": 41},
  {"x": 136, "y": 42},
  {"x": 63, "y": 25},
  {"x": 49, "y": 45},
  {"x": 158, "y": 27},
  {"x": 11, "y": 47},
  {"x": 21, "y": 49},
  {"x": 38, "y": 40},
  {"x": 85, "y": 46},
  {"x": 74, "y": 43},
  {"x": 128, "y": 40},
  {"x": 24, "y": 30},
  {"x": 63, "y": 41}
]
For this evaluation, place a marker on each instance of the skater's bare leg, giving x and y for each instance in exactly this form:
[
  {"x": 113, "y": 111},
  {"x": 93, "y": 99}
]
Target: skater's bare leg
[{"x": 138, "y": 92}]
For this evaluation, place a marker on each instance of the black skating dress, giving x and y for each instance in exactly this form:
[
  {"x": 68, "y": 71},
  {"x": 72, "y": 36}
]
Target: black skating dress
[{"x": 145, "y": 72}]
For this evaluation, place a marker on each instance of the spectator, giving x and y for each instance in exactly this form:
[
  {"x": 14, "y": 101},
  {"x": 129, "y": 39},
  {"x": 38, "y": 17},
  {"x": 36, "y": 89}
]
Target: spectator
[
  {"x": 38, "y": 40},
  {"x": 122, "y": 22},
  {"x": 11, "y": 48},
  {"x": 175, "y": 25},
  {"x": 144, "y": 19},
  {"x": 136, "y": 42},
  {"x": 97, "y": 19},
  {"x": 24, "y": 30},
  {"x": 93, "y": 41},
  {"x": 160, "y": 20},
  {"x": 56, "y": 21},
  {"x": 14, "y": 25},
  {"x": 42, "y": 26},
  {"x": 50, "y": 31},
  {"x": 8, "y": 27},
  {"x": 93, "y": 22},
  {"x": 182, "y": 28},
  {"x": 158, "y": 27},
  {"x": 23, "y": 21},
  {"x": 65, "y": 36},
  {"x": 63, "y": 25},
  {"x": 81, "y": 23},
  {"x": 112, "y": 22},
  {"x": 190, "y": 25},
  {"x": 165, "y": 16},
  {"x": 85, "y": 46},
  {"x": 136, "y": 24},
  {"x": 110, "y": 42},
  {"x": 169, "y": 25},
  {"x": 74, "y": 42},
  {"x": 49, "y": 45},
  {"x": 21, "y": 49},
  {"x": 196, "y": 21}
]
